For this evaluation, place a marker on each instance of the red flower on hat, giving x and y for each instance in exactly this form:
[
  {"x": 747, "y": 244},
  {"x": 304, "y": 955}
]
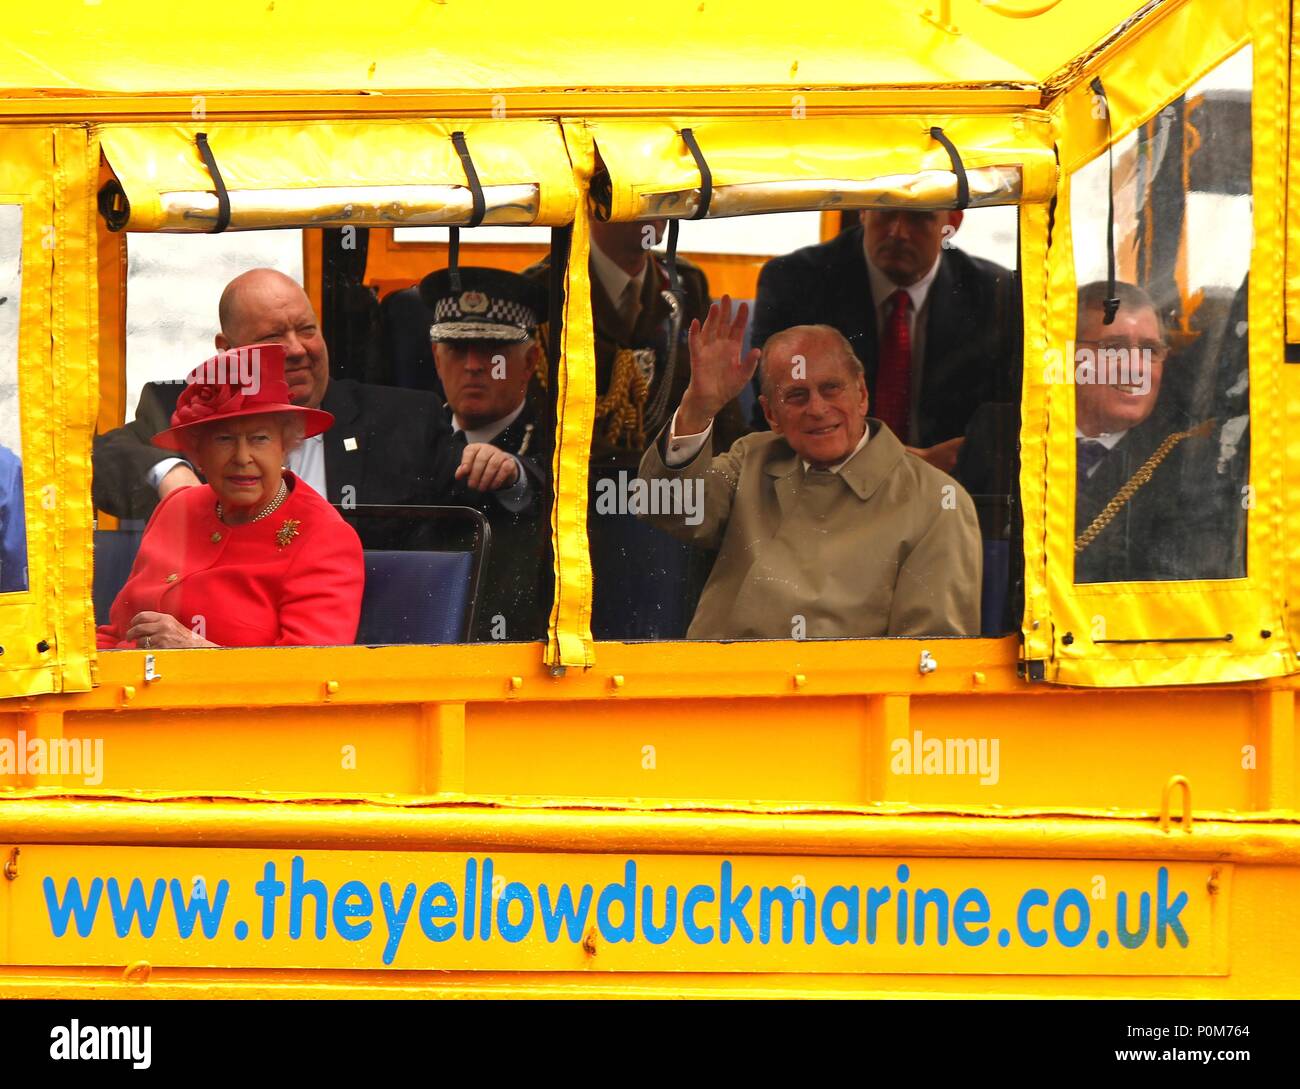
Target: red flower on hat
[{"x": 202, "y": 400}]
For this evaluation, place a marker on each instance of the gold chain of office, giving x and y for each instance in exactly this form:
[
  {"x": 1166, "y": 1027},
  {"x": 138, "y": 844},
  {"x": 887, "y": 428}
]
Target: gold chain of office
[
  {"x": 623, "y": 405},
  {"x": 1136, "y": 481}
]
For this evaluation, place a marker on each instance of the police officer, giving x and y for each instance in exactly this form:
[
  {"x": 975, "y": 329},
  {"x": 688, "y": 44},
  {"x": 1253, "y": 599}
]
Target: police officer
[{"x": 486, "y": 352}]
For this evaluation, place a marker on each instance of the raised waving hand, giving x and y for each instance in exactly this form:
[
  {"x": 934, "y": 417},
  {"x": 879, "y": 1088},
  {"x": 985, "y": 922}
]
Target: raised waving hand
[{"x": 719, "y": 371}]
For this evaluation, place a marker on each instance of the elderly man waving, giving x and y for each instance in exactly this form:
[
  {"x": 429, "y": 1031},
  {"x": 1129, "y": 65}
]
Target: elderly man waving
[{"x": 825, "y": 527}]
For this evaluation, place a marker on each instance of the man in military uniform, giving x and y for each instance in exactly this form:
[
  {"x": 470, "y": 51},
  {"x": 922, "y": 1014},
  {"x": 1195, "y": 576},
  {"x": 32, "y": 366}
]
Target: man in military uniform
[
  {"x": 646, "y": 584},
  {"x": 486, "y": 351},
  {"x": 1149, "y": 505}
]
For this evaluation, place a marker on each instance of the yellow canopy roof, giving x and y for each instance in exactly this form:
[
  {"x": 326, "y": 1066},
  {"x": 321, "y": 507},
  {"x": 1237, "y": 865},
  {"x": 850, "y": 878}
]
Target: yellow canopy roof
[{"x": 134, "y": 47}]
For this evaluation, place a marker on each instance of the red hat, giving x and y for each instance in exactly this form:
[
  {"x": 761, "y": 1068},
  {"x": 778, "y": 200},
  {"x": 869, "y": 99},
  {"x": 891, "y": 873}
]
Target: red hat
[{"x": 247, "y": 381}]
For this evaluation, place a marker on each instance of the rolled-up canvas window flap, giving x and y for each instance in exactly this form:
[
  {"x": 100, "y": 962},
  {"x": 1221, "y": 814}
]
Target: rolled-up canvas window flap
[
  {"x": 928, "y": 190},
  {"x": 756, "y": 167},
  {"x": 335, "y": 174}
]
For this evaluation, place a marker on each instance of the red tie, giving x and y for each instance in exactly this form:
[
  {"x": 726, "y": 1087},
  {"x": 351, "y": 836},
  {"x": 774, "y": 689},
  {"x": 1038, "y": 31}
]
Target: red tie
[{"x": 894, "y": 378}]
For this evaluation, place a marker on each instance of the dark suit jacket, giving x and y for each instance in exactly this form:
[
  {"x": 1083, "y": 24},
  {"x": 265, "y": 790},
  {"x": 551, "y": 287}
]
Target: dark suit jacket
[
  {"x": 516, "y": 585},
  {"x": 972, "y": 331},
  {"x": 1180, "y": 525}
]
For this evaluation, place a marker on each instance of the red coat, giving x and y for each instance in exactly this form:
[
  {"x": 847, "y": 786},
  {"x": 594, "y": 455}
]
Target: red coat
[{"x": 266, "y": 583}]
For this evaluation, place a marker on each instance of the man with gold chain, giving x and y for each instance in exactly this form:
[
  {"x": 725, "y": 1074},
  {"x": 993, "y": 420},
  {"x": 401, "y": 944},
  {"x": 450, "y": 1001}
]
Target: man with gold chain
[{"x": 1149, "y": 504}]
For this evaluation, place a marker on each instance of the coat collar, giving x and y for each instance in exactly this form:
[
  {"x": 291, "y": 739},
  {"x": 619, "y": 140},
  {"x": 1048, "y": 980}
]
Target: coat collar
[{"x": 864, "y": 472}]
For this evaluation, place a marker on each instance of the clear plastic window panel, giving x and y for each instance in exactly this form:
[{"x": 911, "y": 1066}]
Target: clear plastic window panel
[
  {"x": 1161, "y": 391},
  {"x": 13, "y": 524},
  {"x": 270, "y": 494},
  {"x": 829, "y": 454}
]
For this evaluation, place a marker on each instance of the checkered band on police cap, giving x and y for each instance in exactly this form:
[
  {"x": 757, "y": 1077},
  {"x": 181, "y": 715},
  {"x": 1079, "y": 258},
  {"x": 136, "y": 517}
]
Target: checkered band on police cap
[
  {"x": 491, "y": 305},
  {"x": 479, "y": 308}
]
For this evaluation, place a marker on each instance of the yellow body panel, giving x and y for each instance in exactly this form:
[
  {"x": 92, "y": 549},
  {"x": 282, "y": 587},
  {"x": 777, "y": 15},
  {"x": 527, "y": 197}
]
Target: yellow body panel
[{"x": 797, "y": 764}]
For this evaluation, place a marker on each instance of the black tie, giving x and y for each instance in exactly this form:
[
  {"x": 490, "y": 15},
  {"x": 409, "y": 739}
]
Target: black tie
[{"x": 1088, "y": 453}]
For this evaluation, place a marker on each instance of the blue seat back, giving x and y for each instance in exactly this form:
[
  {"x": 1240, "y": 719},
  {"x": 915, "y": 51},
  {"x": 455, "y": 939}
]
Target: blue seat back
[
  {"x": 997, "y": 584},
  {"x": 410, "y": 597},
  {"x": 115, "y": 551},
  {"x": 416, "y": 597}
]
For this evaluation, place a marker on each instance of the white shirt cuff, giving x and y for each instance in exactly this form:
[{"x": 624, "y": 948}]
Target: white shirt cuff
[
  {"x": 684, "y": 448},
  {"x": 516, "y": 497},
  {"x": 156, "y": 474}
]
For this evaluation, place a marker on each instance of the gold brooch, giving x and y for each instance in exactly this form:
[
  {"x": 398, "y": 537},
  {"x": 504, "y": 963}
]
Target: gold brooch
[{"x": 287, "y": 532}]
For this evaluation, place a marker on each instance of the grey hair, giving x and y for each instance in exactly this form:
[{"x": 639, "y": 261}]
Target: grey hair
[
  {"x": 801, "y": 332},
  {"x": 292, "y": 432},
  {"x": 1131, "y": 297}
]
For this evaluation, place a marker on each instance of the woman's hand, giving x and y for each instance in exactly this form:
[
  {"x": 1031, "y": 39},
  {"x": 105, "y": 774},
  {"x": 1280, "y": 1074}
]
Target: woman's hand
[
  {"x": 486, "y": 468},
  {"x": 162, "y": 631}
]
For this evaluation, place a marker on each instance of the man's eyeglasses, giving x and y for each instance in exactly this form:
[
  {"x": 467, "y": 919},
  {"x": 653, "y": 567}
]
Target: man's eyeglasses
[
  {"x": 1158, "y": 350},
  {"x": 798, "y": 396}
]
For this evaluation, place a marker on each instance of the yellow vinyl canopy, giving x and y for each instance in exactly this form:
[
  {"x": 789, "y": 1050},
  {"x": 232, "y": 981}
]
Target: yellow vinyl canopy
[
  {"x": 334, "y": 174},
  {"x": 387, "y": 47},
  {"x": 803, "y": 163}
]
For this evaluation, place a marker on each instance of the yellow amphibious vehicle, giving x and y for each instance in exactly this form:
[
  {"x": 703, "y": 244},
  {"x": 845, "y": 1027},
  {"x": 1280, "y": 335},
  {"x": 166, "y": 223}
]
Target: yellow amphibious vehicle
[{"x": 1096, "y": 797}]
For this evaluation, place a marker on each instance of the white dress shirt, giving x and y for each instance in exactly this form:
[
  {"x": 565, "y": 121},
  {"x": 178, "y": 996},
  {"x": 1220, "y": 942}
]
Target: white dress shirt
[
  {"x": 1108, "y": 439},
  {"x": 882, "y": 287},
  {"x": 308, "y": 463},
  {"x": 615, "y": 279}
]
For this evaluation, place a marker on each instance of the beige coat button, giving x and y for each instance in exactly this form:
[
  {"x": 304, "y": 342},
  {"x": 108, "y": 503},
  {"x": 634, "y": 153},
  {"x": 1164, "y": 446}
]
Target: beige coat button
[
  {"x": 172, "y": 577},
  {"x": 216, "y": 537}
]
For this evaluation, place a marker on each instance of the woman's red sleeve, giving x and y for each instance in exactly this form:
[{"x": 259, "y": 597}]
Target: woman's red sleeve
[{"x": 321, "y": 602}]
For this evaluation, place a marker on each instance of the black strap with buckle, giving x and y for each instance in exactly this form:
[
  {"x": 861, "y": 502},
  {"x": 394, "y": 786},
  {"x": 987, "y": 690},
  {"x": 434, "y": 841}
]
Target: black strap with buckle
[
  {"x": 958, "y": 167},
  {"x": 1110, "y": 305},
  {"x": 478, "y": 206},
  {"x": 706, "y": 198},
  {"x": 223, "y": 197}
]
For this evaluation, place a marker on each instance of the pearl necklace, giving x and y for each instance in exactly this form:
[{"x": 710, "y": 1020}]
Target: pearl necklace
[{"x": 269, "y": 509}]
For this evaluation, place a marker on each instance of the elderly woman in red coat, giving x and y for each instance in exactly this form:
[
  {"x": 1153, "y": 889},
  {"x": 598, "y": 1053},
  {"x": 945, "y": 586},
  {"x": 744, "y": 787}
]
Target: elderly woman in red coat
[{"x": 254, "y": 557}]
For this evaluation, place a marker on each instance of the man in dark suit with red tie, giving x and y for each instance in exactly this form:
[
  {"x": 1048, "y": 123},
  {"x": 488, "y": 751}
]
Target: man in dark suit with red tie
[{"x": 937, "y": 330}]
